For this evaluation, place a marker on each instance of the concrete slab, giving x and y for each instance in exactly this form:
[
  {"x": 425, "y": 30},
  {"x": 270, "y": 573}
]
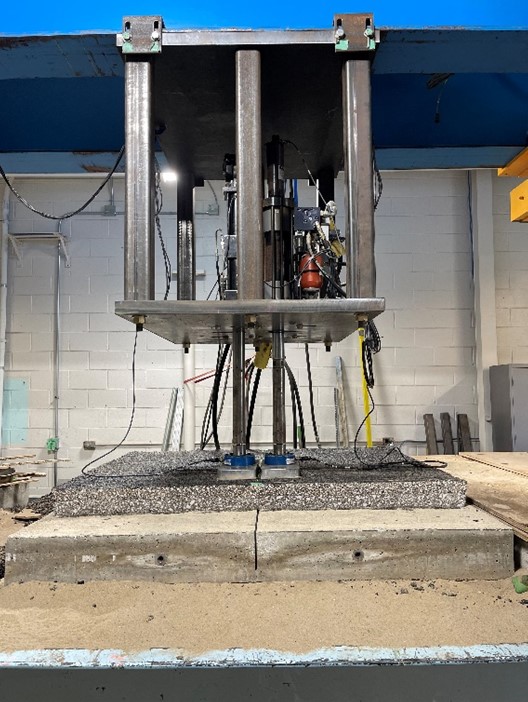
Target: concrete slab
[
  {"x": 193, "y": 547},
  {"x": 236, "y": 547},
  {"x": 362, "y": 544}
]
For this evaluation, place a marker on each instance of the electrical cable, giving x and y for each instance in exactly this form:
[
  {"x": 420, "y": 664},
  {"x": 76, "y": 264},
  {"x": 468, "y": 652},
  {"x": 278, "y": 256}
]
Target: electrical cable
[
  {"x": 314, "y": 182},
  {"x": 311, "y": 394},
  {"x": 250, "y": 369},
  {"x": 216, "y": 388},
  {"x": 293, "y": 384},
  {"x": 405, "y": 460},
  {"x": 378, "y": 182},
  {"x": 371, "y": 345},
  {"x": 212, "y": 290},
  {"x": 217, "y": 262},
  {"x": 214, "y": 194},
  {"x": 67, "y": 215},
  {"x": 226, "y": 379},
  {"x": 158, "y": 206},
  {"x": 332, "y": 282},
  {"x": 251, "y": 410},
  {"x": 206, "y": 422},
  {"x": 131, "y": 422},
  {"x": 294, "y": 415}
]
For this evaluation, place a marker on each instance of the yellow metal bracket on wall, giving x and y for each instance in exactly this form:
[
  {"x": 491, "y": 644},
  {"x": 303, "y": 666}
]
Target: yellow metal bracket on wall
[{"x": 518, "y": 168}]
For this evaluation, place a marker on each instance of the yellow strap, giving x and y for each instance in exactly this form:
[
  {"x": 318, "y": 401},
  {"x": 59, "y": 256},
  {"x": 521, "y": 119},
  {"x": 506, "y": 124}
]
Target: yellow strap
[
  {"x": 262, "y": 356},
  {"x": 366, "y": 399}
]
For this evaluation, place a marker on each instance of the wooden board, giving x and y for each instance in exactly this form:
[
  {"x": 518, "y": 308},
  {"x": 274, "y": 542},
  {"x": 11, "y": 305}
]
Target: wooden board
[
  {"x": 447, "y": 433},
  {"x": 463, "y": 434},
  {"x": 511, "y": 462},
  {"x": 430, "y": 434},
  {"x": 501, "y": 491}
]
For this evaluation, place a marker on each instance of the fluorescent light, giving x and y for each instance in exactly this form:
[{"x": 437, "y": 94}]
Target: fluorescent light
[{"x": 169, "y": 176}]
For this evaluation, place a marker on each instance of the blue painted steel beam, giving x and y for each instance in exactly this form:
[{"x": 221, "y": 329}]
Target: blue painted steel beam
[
  {"x": 238, "y": 657},
  {"x": 451, "y": 51},
  {"x": 447, "y": 157}
]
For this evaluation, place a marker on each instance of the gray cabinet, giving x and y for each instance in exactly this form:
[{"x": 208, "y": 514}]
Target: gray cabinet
[{"x": 509, "y": 407}]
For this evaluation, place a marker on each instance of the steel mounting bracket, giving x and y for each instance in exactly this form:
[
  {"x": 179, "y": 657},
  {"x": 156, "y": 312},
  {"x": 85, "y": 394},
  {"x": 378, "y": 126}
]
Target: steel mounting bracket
[
  {"x": 355, "y": 33},
  {"x": 141, "y": 34}
]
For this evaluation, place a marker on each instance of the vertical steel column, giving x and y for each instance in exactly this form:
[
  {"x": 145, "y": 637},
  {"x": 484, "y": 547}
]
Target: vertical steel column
[
  {"x": 186, "y": 265},
  {"x": 359, "y": 189},
  {"x": 186, "y": 261},
  {"x": 139, "y": 182},
  {"x": 279, "y": 384},
  {"x": 239, "y": 394},
  {"x": 249, "y": 221},
  {"x": 249, "y": 176}
]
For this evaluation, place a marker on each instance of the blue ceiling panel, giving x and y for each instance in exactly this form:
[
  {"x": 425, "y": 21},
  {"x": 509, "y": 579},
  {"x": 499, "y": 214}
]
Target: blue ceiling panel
[
  {"x": 60, "y": 114},
  {"x": 466, "y": 110},
  {"x": 82, "y": 56}
]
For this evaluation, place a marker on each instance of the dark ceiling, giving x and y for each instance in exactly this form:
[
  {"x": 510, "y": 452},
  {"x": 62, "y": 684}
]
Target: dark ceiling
[{"x": 62, "y": 101}]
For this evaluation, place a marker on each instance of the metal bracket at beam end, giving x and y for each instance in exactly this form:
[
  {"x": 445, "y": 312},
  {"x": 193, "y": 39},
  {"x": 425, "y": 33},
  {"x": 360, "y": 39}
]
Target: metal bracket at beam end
[
  {"x": 355, "y": 33},
  {"x": 141, "y": 35}
]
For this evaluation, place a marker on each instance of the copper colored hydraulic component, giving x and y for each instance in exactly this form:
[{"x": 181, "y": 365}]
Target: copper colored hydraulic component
[{"x": 309, "y": 268}]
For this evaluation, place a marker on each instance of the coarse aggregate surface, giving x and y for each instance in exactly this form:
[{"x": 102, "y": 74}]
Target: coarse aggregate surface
[{"x": 155, "y": 482}]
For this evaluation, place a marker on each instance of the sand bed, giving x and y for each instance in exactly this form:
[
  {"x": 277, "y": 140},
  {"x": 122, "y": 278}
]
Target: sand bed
[{"x": 294, "y": 617}]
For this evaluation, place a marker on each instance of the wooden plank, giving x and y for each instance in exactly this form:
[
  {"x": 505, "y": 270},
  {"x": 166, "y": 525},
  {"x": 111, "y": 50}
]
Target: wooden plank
[
  {"x": 502, "y": 493},
  {"x": 463, "y": 433},
  {"x": 508, "y": 461},
  {"x": 341, "y": 405},
  {"x": 447, "y": 433},
  {"x": 430, "y": 434},
  {"x": 27, "y": 515}
]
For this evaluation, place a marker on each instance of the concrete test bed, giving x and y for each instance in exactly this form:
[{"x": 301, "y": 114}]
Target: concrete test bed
[{"x": 148, "y": 516}]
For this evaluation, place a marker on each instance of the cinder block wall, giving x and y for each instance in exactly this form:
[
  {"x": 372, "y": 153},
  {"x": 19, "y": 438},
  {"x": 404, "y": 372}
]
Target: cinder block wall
[{"x": 426, "y": 365}]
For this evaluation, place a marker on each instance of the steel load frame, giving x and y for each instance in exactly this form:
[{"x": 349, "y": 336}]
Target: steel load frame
[{"x": 348, "y": 49}]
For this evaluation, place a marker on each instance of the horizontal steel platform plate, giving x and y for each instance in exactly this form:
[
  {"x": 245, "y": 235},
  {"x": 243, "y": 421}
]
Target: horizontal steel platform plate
[{"x": 212, "y": 322}]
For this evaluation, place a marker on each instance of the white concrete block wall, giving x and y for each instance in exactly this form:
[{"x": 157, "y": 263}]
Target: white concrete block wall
[
  {"x": 423, "y": 253},
  {"x": 511, "y": 275},
  {"x": 424, "y": 271}
]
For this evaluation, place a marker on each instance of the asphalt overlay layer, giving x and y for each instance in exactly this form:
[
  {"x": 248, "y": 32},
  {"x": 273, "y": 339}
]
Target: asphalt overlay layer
[{"x": 167, "y": 483}]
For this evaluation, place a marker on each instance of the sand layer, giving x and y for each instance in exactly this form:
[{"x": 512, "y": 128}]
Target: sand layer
[{"x": 294, "y": 617}]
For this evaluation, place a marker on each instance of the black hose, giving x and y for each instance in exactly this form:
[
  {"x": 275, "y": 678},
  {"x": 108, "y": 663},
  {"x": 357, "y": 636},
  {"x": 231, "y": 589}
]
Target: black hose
[
  {"x": 371, "y": 345},
  {"x": 310, "y": 390},
  {"x": 252, "y": 406},
  {"x": 206, "y": 423},
  {"x": 294, "y": 413},
  {"x": 214, "y": 395},
  {"x": 293, "y": 385}
]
